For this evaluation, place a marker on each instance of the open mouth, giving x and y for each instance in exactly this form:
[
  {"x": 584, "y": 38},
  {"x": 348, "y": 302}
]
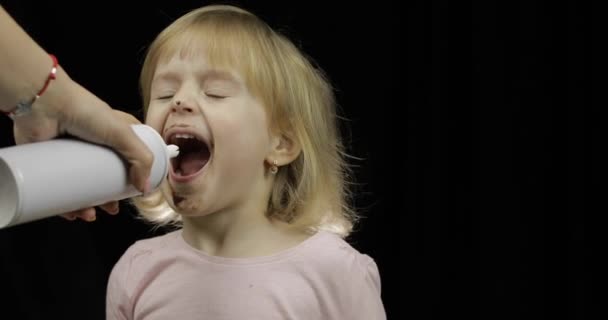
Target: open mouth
[{"x": 194, "y": 154}]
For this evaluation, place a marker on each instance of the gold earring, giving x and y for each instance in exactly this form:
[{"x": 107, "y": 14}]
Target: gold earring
[{"x": 274, "y": 168}]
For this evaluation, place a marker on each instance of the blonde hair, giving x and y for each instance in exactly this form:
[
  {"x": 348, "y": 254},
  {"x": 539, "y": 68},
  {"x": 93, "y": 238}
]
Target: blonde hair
[{"x": 311, "y": 192}]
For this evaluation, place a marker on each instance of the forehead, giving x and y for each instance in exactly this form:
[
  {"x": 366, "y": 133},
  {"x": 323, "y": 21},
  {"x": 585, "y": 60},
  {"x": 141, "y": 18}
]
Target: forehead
[
  {"x": 179, "y": 67},
  {"x": 186, "y": 54}
]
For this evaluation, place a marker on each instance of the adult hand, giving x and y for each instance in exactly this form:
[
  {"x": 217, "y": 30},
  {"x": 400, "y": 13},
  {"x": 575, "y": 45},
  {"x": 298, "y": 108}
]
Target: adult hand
[{"x": 68, "y": 108}]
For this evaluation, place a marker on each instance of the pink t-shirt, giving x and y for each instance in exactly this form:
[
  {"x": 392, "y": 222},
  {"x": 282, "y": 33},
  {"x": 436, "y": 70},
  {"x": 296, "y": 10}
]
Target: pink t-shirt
[{"x": 322, "y": 278}]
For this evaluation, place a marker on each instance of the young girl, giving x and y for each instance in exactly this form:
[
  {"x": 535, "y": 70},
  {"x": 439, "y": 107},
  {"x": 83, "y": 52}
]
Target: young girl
[{"x": 259, "y": 187}]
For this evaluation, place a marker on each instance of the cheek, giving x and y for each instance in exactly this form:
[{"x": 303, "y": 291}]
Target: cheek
[
  {"x": 246, "y": 140},
  {"x": 246, "y": 130},
  {"x": 155, "y": 119}
]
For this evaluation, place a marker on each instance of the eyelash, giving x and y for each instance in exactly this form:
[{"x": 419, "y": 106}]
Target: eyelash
[{"x": 213, "y": 96}]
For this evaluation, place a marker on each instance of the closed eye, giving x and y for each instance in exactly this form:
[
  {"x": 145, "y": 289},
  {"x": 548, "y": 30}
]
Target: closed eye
[
  {"x": 215, "y": 96},
  {"x": 165, "y": 97}
]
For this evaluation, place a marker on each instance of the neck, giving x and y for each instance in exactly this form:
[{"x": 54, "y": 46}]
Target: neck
[{"x": 246, "y": 232}]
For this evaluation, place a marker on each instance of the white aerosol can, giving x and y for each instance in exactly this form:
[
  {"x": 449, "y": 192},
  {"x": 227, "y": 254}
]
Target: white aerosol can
[{"x": 43, "y": 179}]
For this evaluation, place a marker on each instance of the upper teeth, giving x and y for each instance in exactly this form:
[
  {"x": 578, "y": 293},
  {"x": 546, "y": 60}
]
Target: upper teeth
[{"x": 184, "y": 136}]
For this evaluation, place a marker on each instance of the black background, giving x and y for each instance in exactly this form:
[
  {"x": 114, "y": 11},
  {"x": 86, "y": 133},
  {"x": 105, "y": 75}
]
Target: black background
[
  {"x": 507, "y": 166},
  {"x": 56, "y": 269}
]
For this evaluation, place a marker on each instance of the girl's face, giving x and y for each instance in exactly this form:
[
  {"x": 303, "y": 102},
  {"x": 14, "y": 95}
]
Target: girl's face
[{"x": 222, "y": 131}]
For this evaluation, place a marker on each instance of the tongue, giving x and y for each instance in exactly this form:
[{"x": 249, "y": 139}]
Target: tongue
[{"x": 192, "y": 162}]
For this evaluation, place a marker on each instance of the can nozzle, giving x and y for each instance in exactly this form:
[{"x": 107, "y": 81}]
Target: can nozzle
[{"x": 173, "y": 150}]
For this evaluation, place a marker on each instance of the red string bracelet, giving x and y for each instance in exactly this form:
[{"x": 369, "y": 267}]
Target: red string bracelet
[{"x": 25, "y": 107}]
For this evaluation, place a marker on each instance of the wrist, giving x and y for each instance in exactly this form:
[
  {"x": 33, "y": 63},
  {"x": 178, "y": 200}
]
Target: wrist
[
  {"x": 24, "y": 105},
  {"x": 57, "y": 96}
]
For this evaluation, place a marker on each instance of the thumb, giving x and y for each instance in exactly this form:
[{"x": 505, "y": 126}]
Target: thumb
[
  {"x": 140, "y": 162},
  {"x": 113, "y": 128},
  {"x": 124, "y": 140}
]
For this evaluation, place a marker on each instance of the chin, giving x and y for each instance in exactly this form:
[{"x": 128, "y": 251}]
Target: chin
[
  {"x": 183, "y": 199},
  {"x": 186, "y": 206}
]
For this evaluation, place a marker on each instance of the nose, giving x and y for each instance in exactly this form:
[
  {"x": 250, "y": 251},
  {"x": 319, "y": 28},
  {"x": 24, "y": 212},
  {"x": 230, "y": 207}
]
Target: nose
[{"x": 181, "y": 106}]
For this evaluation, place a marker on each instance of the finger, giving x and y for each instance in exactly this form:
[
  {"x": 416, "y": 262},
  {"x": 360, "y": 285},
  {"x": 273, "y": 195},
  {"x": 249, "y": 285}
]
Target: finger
[
  {"x": 87, "y": 214},
  {"x": 104, "y": 125},
  {"x": 113, "y": 128},
  {"x": 136, "y": 173},
  {"x": 110, "y": 207},
  {"x": 69, "y": 216},
  {"x": 137, "y": 154}
]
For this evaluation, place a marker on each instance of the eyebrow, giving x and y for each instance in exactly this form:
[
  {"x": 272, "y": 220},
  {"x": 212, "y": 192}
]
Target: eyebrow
[
  {"x": 170, "y": 76},
  {"x": 214, "y": 74}
]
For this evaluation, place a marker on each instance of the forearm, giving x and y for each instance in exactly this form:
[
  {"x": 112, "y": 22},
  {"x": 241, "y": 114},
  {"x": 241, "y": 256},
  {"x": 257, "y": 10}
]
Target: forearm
[{"x": 24, "y": 65}]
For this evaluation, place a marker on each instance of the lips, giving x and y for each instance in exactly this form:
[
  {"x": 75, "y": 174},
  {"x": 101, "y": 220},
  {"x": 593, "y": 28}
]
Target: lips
[{"x": 194, "y": 154}]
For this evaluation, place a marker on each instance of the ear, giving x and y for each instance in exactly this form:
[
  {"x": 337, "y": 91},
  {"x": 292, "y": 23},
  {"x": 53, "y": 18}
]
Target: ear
[{"x": 284, "y": 149}]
